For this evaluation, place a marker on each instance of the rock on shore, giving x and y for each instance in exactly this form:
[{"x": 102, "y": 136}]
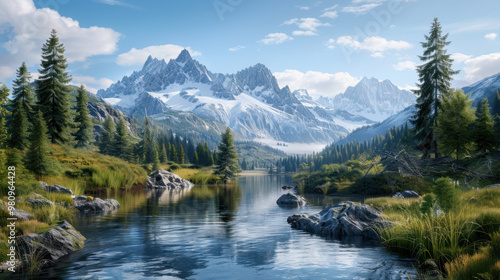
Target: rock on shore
[
  {"x": 51, "y": 245},
  {"x": 162, "y": 179},
  {"x": 291, "y": 200},
  {"x": 341, "y": 220},
  {"x": 406, "y": 194},
  {"x": 86, "y": 206},
  {"x": 55, "y": 188}
]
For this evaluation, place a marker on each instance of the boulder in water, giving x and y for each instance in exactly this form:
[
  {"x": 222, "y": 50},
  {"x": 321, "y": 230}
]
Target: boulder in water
[
  {"x": 345, "y": 219},
  {"x": 162, "y": 179},
  {"x": 86, "y": 206},
  {"x": 291, "y": 200}
]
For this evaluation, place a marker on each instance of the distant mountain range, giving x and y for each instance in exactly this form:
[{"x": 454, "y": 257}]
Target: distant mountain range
[
  {"x": 485, "y": 88},
  {"x": 251, "y": 101}
]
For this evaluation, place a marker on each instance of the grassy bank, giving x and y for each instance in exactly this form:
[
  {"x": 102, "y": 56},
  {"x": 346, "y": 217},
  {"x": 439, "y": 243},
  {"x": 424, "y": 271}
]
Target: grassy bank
[{"x": 464, "y": 242}]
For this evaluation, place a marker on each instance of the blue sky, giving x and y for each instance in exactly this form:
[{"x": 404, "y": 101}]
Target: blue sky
[{"x": 323, "y": 46}]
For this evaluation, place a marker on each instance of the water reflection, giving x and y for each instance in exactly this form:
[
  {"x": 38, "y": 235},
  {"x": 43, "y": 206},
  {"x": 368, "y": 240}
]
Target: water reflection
[{"x": 233, "y": 232}]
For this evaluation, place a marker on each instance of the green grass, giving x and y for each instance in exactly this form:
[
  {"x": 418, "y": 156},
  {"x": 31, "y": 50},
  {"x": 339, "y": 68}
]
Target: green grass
[{"x": 464, "y": 242}]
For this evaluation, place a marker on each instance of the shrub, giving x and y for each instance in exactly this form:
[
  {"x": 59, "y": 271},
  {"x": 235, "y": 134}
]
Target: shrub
[
  {"x": 446, "y": 193},
  {"x": 175, "y": 166},
  {"x": 427, "y": 206}
]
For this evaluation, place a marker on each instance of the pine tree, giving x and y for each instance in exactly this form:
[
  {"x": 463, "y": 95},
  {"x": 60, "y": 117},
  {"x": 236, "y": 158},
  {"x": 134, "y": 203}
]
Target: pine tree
[
  {"x": 173, "y": 153},
  {"x": 163, "y": 154},
  {"x": 4, "y": 93},
  {"x": 484, "y": 129},
  {"x": 22, "y": 109},
  {"x": 201, "y": 155},
  {"x": 15, "y": 158},
  {"x": 147, "y": 140},
  {"x": 107, "y": 138},
  {"x": 455, "y": 117},
  {"x": 83, "y": 135},
  {"x": 227, "y": 163},
  {"x": 196, "y": 159},
  {"x": 434, "y": 81},
  {"x": 3, "y": 134},
  {"x": 53, "y": 92},
  {"x": 121, "y": 145},
  {"x": 181, "y": 155},
  {"x": 496, "y": 113},
  {"x": 36, "y": 159},
  {"x": 19, "y": 127},
  {"x": 206, "y": 155}
]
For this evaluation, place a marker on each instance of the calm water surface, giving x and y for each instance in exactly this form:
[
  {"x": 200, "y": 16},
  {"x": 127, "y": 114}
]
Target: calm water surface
[{"x": 235, "y": 232}]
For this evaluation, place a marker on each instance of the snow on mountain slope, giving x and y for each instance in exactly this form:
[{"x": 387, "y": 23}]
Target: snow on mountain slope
[
  {"x": 249, "y": 101},
  {"x": 485, "y": 88},
  {"x": 372, "y": 99}
]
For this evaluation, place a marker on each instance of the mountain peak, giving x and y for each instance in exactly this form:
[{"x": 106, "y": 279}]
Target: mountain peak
[{"x": 184, "y": 56}]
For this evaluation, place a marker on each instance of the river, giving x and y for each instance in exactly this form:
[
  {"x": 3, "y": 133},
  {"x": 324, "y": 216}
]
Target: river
[{"x": 234, "y": 232}]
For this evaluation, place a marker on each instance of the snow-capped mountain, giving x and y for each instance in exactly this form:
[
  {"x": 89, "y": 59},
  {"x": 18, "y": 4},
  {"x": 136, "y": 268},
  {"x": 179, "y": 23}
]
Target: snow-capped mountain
[
  {"x": 250, "y": 101},
  {"x": 485, "y": 88},
  {"x": 372, "y": 99}
]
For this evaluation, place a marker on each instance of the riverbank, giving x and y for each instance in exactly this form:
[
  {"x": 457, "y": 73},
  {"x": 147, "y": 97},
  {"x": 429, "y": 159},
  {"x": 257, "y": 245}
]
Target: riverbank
[{"x": 464, "y": 241}]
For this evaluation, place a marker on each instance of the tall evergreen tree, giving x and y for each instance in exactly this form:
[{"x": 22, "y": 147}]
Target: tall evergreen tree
[
  {"x": 181, "y": 155},
  {"x": 147, "y": 142},
  {"x": 496, "y": 113},
  {"x": 454, "y": 120},
  {"x": 19, "y": 127},
  {"x": 83, "y": 135},
  {"x": 121, "y": 145},
  {"x": 4, "y": 93},
  {"x": 36, "y": 159},
  {"x": 434, "y": 81},
  {"x": 163, "y": 154},
  {"x": 227, "y": 161},
  {"x": 484, "y": 129},
  {"x": 22, "y": 109},
  {"x": 107, "y": 138},
  {"x": 53, "y": 91},
  {"x": 196, "y": 159}
]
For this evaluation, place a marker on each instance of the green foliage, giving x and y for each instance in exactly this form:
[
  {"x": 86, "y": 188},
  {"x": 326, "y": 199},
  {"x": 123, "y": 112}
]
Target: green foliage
[
  {"x": 53, "y": 91},
  {"x": 4, "y": 93},
  {"x": 175, "y": 166},
  {"x": 19, "y": 127},
  {"x": 453, "y": 131},
  {"x": 84, "y": 135},
  {"x": 15, "y": 158},
  {"x": 227, "y": 165},
  {"x": 434, "y": 81},
  {"x": 427, "y": 206},
  {"x": 484, "y": 128},
  {"x": 163, "y": 154},
  {"x": 3, "y": 133},
  {"x": 121, "y": 145},
  {"x": 446, "y": 193},
  {"x": 36, "y": 159},
  {"x": 107, "y": 138}
]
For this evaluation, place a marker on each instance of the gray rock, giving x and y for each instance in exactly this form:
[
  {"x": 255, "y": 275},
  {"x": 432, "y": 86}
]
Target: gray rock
[
  {"x": 162, "y": 179},
  {"x": 37, "y": 200},
  {"x": 406, "y": 194},
  {"x": 494, "y": 186},
  {"x": 55, "y": 188},
  {"x": 286, "y": 187},
  {"x": 18, "y": 213},
  {"x": 50, "y": 245},
  {"x": 430, "y": 271},
  {"x": 95, "y": 206},
  {"x": 291, "y": 200},
  {"x": 341, "y": 220}
]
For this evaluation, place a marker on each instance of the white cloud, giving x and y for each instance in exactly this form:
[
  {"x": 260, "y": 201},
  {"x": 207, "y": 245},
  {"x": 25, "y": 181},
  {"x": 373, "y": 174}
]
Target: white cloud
[
  {"x": 275, "y": 39},
  {"x": 409, "y": 88},
  {"x": 115, "y": 3},
  {"x": 316, "y": 83},
  {"x": 308, "y": 26},
  {"x": 6, "y": 72},
  {"x": 237, "y": 48},
  {"x": 28, "y": 28},
  {"x": 304, "y": 33},
  {"x": 360, "y": 10},
  {"x": 404, "y": 65},
  {"x": 304, "y": 8},
  {"x": 491, "y": 36},
  {"x": 330, "y": 14},
  {"x": 460, "y": 57},
  {"x": 483, "y": 66},
  {"x": 331, "y": 8},
  {"x": 91, "y": 84},
  {"x": 376, "y": 45},
  {"x": 139, "y": 56},
  {"x": 483, "y": 24},
  {"x": 330, "y": 44}
]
